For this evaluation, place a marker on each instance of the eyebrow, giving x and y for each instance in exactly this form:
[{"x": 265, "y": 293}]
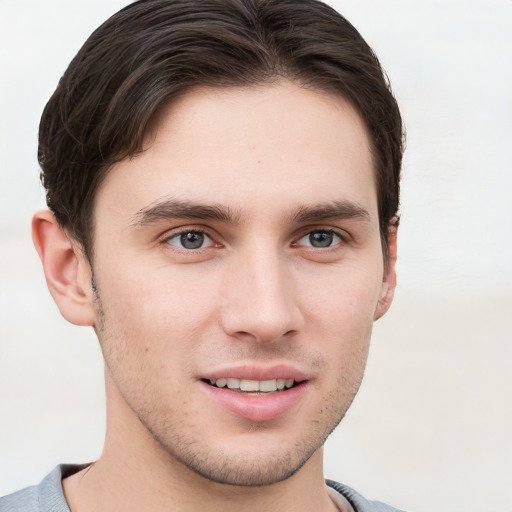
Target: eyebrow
[
  {"x": 337, "y": 210},
  {"x": 177, "y": 209}
]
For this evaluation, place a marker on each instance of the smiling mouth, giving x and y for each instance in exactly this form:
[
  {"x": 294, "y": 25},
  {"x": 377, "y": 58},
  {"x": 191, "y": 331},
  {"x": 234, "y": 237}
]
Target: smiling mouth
[{"x": 254, "y": 387}]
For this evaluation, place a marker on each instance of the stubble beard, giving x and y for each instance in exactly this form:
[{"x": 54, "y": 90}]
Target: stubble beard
[{"x": 244, "y": 470}]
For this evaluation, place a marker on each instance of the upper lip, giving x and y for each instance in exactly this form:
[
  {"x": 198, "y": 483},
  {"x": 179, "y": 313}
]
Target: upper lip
[{"x": 257, "y": 372}]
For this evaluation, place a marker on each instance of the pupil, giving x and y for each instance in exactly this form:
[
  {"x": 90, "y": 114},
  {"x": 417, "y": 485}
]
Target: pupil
[
  {"x": 320, "y": 239},
  {"x": 192, "y": 240}
]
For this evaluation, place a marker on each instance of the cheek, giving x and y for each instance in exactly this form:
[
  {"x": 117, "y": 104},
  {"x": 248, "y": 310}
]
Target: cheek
[
  {"x": 339, "y": 314},
  {"x": 342, "y": 297},
  {"x": 158, "y": 295},
  {"x": 154, "y": 316}
]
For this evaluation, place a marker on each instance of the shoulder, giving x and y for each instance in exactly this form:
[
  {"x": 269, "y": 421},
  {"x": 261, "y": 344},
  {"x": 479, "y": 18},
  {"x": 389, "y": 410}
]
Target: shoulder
[
  {"x": 26, "y": 500},
  {"x": 45, "y": 497},
  {"x": 359, "y": 502}
]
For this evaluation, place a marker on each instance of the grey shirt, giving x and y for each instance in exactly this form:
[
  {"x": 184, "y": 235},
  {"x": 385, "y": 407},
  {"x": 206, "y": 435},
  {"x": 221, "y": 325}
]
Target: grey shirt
[{"x": 48, "y": 496}]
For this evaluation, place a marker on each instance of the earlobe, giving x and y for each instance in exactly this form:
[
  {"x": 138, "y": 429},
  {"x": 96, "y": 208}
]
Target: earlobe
[
  {"x": 67, "y": 271},
  {"x": 388, "y": 286}
]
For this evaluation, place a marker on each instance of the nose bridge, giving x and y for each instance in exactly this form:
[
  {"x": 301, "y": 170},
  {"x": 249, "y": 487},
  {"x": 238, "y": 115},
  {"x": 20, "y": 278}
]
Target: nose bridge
[{"x": 261, "y": 301}]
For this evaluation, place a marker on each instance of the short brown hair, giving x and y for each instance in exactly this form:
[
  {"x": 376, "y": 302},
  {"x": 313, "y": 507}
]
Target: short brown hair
[{"x": 153, "y": 50}]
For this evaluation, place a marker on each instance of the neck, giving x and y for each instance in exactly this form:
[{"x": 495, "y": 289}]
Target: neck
[
  {"x": 136, "y": 473},
  {"x": 105, "y": 486}
]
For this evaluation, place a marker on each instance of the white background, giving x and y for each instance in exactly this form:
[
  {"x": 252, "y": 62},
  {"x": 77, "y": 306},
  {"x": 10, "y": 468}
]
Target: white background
[{"x": 432, "y": 426}]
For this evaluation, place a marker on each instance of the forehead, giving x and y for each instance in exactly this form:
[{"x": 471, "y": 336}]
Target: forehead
[{"x": 273, "y": 145}]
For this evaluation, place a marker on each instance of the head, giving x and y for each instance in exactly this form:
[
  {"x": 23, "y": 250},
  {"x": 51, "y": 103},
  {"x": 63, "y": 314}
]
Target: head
[
  {"x": 154, "y": 51},
  {"x": 224, "y": 175}
]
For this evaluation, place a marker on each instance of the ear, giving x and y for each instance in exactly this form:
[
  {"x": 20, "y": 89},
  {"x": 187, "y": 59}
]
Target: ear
[
  {"x": 67, "y": 271},
  {"x": 387, "y": 290}
]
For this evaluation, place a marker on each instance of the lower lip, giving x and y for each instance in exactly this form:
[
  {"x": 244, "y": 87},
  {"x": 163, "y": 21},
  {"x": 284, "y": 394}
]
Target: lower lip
[{"x": 256, "y": 407}]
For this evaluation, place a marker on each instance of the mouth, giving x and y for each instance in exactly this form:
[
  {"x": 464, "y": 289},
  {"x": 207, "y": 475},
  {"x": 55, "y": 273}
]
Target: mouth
[
  {"x": 256, "y": 394},
  {"x": 253, "y": 387}
]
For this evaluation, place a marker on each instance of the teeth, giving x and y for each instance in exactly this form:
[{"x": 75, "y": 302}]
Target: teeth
[
  {"x": 264, "y": 386},
  {"x": 249, "y": 385},
  {"x": 233, "y": 383},
  {"x": 268, "y": 385}
]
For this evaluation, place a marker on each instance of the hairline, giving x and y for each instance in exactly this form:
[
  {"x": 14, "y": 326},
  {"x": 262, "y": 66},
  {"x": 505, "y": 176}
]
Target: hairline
[{"x": 153, "y": 124}]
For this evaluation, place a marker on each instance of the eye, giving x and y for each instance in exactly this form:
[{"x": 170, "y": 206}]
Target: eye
[
  {"x": 320, "y": 239},
  {"x": 190, "y": 240}
]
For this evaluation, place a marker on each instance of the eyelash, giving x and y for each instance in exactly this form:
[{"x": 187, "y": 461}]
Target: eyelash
[
  {"x": 182, "y": 232},
  {"x": 200, "y": 231},
  {"x": 330, "y": 233}
]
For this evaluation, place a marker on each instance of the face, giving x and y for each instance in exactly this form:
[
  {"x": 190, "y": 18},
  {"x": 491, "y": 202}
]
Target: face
[{"x": 238, "y": 270}]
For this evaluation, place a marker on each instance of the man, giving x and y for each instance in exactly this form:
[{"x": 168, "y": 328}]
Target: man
[{"x": 223, "y": 183}]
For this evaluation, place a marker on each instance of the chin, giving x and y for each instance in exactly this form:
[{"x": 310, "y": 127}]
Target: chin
[
  {"x": 257, "y": 459},
  {"x": 248, "y": 471}
]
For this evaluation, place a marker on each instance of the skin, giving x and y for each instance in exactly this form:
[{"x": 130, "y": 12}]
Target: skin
[{"x": 255, "y": 293}]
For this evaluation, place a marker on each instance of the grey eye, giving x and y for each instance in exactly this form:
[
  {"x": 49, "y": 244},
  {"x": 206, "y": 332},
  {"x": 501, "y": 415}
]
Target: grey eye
[
  {"x": 320, "y": 239},
  {"x": 189, "y": 240}
]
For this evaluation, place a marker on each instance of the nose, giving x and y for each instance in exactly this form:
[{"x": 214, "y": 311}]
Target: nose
[{"x": 260, "y": 300}]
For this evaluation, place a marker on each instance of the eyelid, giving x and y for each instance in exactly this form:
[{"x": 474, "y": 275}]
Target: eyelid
[
  {"x": 213, "y": 236},
  {"x": 168, "y": 235},
  {"x": 342, "y": 234}
]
